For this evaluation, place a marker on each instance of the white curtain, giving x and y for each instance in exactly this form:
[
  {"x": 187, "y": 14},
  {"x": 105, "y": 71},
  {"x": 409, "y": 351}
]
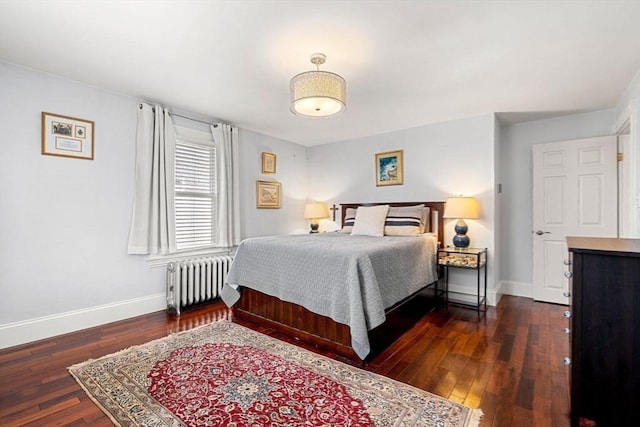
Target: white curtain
[
  {"x": 227, "y": 175},
  {"x": 153, "y": 218}
]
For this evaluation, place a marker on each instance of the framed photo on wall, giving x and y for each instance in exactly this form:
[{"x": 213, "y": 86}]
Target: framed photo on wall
[
  {"x": 268, "y": 163},
  {"x": 389, "y": 168},
  {"x": 268, "y": 194},
  {"x": 66, "y": 136}
]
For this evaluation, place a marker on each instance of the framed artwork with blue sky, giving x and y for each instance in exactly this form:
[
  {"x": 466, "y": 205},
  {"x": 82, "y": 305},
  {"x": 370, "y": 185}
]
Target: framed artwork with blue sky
[{"x": 389, "y": 168}]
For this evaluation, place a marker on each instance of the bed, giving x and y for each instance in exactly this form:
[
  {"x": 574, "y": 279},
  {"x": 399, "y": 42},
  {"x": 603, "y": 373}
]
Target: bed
[{"x": 367, "y": 284}]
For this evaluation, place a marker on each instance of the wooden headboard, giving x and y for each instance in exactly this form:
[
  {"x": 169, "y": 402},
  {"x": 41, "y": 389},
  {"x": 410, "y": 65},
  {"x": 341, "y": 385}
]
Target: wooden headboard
[{"x": 437, "y": 209}]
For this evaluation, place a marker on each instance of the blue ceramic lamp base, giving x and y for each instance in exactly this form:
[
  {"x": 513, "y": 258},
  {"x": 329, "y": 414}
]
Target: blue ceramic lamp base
[{"x": 461, "y": 240}]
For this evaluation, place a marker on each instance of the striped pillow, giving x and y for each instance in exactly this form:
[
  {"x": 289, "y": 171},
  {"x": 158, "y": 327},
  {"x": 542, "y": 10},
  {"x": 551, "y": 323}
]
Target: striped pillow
[
  {"x": 404, "y": 221},
  {"x": 425, "y": 226},
  {"x": 349, "y": 220}
]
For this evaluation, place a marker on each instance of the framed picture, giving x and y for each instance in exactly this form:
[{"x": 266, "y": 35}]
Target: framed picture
[
  {"x": 67, "y": 136},
  {"x": 268, "y": 194},
  {"x": 268, "y": 163},
  {"x": 389, "y": 168}
]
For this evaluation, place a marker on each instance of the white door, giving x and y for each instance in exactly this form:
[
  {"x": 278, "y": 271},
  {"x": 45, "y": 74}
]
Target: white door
[
  {"x": 574, "y": 194},
  {"x": 625, "y": 192}
]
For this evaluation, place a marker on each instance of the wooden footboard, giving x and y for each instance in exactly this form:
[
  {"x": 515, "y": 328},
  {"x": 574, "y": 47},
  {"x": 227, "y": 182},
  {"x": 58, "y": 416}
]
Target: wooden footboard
[
  {"x": 294, "y": 320},
  {"x": 322, "y": 332}
]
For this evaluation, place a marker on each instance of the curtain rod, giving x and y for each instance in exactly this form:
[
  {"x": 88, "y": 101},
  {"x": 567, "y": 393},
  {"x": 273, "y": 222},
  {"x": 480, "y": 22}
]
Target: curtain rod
[
  {"x": 185, "y": 117},
  {"x": 193, "y": 120}
]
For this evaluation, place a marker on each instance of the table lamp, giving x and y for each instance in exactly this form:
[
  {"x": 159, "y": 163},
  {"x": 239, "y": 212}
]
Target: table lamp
[
  {"x": 315, "y": 211},
  {"x": 459, "y": 208}
]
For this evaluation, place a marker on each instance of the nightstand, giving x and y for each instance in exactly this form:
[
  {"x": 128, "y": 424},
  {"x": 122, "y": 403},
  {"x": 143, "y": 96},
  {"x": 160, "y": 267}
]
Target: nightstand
[{"x": 468, "y": 259}]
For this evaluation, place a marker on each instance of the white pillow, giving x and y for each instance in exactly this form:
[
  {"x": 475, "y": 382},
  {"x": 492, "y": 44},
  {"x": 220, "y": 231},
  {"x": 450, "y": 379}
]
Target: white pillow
[
  {"x": 327, "y": 226},
  {"x": 349, "y": 220},
  {"x": 370, "y": 220},
  {"x": 425, "y": 226}
]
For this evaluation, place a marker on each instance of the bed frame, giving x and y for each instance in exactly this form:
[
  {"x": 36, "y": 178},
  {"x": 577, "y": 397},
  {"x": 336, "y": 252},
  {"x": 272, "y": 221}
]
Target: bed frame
[{"x": 258, "y": 309}]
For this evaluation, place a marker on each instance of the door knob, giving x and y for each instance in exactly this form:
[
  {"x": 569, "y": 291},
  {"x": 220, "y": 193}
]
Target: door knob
[{"x": 540, "y": 232}]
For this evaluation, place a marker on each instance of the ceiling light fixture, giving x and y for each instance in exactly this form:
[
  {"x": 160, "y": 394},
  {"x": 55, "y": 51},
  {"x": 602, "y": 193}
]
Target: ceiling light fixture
[{"x": 317, "y": 93}]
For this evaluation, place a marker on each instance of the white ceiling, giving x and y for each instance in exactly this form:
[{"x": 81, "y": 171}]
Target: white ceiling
[{"x": 407, "y": 63}]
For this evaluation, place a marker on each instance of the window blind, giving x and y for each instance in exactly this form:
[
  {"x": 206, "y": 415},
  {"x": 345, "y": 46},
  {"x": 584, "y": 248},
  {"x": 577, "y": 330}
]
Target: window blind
[{"x": 195, "y": 195}]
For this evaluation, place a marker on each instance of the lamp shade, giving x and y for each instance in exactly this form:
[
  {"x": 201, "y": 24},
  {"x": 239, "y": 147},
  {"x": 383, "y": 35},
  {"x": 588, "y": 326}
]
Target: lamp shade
[
  {"x": 316, "y": 210},
  {"x": 461, "y": 207},
  {"x": 317, "y": 93}
]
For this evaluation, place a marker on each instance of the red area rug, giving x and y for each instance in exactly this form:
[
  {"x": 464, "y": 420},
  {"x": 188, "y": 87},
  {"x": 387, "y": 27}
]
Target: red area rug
[{"x": 226, "y": 375}]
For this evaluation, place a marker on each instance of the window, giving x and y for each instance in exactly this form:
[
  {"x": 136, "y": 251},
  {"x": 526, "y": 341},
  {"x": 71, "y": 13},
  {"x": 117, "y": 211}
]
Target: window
[{"x": 195, "y": 192}]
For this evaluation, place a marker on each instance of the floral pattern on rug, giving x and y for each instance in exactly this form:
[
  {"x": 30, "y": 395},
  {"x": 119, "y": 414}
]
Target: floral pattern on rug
[
  {"x": 119, "y": 384},
  {"x": 229, "y": 385}
]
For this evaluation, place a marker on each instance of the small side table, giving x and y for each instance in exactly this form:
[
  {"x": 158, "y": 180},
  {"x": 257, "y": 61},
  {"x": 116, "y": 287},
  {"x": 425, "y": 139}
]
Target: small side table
[{"x": 470, "y": 259}]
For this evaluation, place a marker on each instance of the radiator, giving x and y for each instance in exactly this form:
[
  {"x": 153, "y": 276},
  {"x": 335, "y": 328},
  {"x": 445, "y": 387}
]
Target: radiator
[{"x": 195, "y": 281}]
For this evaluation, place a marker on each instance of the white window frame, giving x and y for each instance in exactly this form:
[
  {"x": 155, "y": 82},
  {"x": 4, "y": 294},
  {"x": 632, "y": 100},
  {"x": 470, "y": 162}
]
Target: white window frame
[
  {"x": 195, "y": 195},
  {"x": 196, "y": 137}
]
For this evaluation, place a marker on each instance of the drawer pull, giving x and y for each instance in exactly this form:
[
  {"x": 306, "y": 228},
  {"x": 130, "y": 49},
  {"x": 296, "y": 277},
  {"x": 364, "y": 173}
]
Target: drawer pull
[
  {"x": 567, "y": 262},
  {"x": 567, "y": 331},
  {"x": 566, "y": 294},
  {"x": 566, "y": 360},
  {"x": 568, "y": 274},
  {"x": 567, "y": 314}
]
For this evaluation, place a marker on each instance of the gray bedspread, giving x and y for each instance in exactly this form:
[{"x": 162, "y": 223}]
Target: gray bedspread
[{"x": 351, "y": 279}]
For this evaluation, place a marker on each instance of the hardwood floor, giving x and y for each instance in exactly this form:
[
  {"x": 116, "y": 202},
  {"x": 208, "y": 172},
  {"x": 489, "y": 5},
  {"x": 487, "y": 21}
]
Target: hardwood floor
[{"x": 509, "y": 364}]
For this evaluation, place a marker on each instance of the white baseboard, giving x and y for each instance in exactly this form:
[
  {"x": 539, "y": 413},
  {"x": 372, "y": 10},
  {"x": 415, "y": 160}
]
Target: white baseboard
[
  {"x": 22, "y": 332},
  {"x": 517, "y": 289},
  {"x": 493, "y": 296},
  {"x": 12, "y": 334}
]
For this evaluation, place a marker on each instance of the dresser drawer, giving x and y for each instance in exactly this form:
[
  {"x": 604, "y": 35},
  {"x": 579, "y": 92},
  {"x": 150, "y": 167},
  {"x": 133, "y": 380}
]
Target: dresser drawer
[{"x": 604, "y": 331}]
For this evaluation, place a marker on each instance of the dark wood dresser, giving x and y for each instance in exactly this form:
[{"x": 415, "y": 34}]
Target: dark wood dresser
[{"x": 605, "y": 331}]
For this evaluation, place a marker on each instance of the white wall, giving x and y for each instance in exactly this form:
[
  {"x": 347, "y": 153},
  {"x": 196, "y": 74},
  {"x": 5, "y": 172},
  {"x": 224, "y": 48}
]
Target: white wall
[
  {"x": 440, "y": 160},
  {"x": 517, "y": 187},
  {"x": 64, "y": 222},
  {"x": 628, "y": 110},
  {"x": 629, "y": 99},
  {"x": 291, "y": 172},
  {"x": 497, "y": 207}
]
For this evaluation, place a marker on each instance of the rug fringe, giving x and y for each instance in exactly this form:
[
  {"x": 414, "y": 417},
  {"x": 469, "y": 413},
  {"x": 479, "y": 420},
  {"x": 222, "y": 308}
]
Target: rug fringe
[
  {"x": 474, "y": 418},
  {"x": 133, "y": 347},
  {"x": 98, "y": 404}
]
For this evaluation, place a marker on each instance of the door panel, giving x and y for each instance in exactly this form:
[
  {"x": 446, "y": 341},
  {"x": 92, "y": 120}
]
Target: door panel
[
  {"x": 591, "y": 200},
  {"x": 553, "y": 271},
  {"x": 574, "y": 194},
  {"x": 554, "y": 187}
]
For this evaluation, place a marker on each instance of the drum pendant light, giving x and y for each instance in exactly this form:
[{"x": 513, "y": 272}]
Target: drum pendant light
[{"x": 317, "y": 93}]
